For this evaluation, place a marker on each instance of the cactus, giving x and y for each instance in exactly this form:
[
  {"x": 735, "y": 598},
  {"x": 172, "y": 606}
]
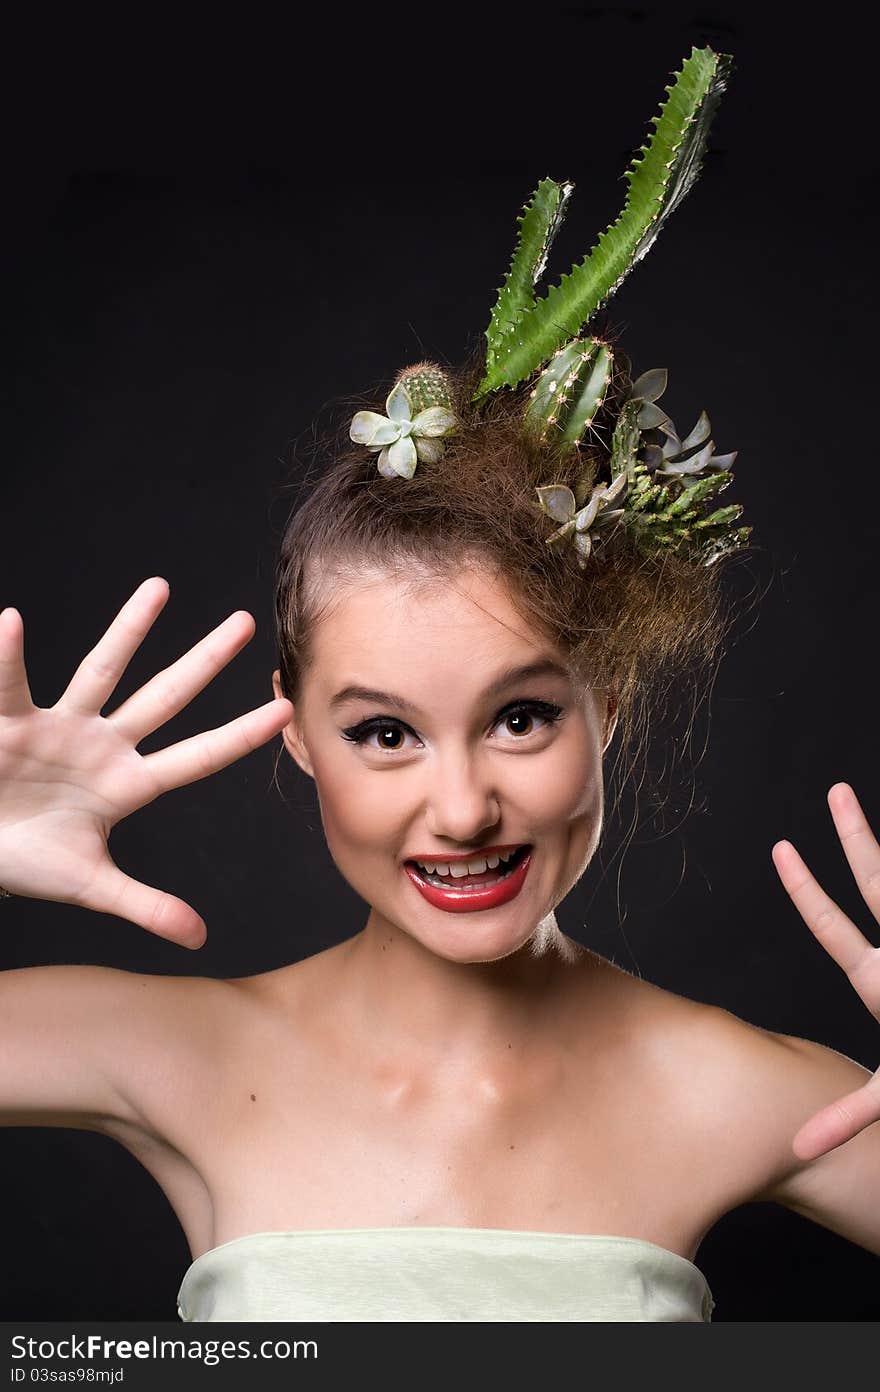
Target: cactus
[
  {"x": 670, "y": 516},
  {"x": 660, "y": 484},
  {"x": 660, "y": 492},
  {"x": 540, "y": 221},
  {"x": 570, "y": 391},
  {"x": 400, "y": 438},
  {"x": 523, "y": 334},
  {"x": 426, "y": 385}
]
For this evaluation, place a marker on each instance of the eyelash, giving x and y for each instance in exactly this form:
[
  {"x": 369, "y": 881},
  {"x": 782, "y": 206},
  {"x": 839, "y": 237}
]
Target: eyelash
[{"x": 358, "y": 734}]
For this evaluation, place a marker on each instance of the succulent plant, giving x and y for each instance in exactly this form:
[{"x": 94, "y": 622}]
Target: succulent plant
[
  {"x": 670, "y": 482},
  {"x": 670, "y": 457},
  {"x": 400, "y": 438},
  {"x": 560, "y": 503},
  {"x": 660, "y": 489},
  {"x": 660, "y": 483}
]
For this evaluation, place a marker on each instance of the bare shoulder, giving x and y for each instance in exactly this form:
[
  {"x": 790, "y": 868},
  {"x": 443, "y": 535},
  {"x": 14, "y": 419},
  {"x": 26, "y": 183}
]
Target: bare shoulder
[
  {"x": 202, "y": 1013},
  {"x": 783, "y": 1080},
  {"x": 735, "y": 1092},
  {"x": 184, "y": 1035},
  {"x": 169, "y": 1030},
  {"x": 749, "y": 1090}
]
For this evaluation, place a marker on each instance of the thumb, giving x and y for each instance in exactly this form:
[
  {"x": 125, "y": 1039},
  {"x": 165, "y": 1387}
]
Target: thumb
[{"x": 114, "y": 892}]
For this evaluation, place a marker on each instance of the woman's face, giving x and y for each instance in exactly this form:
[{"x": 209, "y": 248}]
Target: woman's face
[{"x": 425, "y": 745}]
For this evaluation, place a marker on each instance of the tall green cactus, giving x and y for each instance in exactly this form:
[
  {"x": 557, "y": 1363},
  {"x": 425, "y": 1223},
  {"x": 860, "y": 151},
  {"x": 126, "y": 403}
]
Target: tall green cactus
[
  {"x": 523, "y": 332},
  {"x": 539, "y": 222}
]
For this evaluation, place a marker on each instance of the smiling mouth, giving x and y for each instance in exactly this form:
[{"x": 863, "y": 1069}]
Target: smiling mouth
[{"x": 467, "y": 882}]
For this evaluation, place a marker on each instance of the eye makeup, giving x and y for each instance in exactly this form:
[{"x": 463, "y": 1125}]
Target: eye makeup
[{"x": 548, "y": 711}]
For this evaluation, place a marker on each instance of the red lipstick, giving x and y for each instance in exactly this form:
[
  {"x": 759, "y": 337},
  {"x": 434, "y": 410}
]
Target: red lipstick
[{"x": 486, "y": 896}]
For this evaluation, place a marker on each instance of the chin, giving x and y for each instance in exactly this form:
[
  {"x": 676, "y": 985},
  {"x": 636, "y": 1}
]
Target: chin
[
  {"x": 467, "y": 944},
  {"x": 485, "y": 935}
]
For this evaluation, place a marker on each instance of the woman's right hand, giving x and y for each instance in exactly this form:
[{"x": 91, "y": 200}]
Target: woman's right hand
[{"x": 68, "y": 773}]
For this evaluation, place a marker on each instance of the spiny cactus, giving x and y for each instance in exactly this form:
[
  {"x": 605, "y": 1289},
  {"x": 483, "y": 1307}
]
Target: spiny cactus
[
  {"x": 523, "y": 332},
  {"x": 426, "y": 385},
  {"x": 570, "y": 391},
  {"x": 538, "y": 224}
]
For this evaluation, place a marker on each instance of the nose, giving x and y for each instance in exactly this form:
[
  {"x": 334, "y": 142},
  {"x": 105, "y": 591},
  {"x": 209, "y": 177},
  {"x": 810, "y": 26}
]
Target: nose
[{"x": 462, "y": 802}]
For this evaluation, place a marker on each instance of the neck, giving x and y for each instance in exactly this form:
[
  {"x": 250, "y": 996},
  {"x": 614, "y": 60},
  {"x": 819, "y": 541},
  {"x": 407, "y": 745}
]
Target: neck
[{"x": 412, "y": 1003}]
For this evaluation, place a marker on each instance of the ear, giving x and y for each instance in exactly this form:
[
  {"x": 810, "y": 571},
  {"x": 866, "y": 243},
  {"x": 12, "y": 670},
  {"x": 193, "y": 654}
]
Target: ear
[
  {"x": 611, "y": 709},
  {"x": 291, "y": 734}
]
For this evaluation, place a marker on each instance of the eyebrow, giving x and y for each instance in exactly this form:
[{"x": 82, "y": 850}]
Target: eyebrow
[{"x": 545, "y": 667}]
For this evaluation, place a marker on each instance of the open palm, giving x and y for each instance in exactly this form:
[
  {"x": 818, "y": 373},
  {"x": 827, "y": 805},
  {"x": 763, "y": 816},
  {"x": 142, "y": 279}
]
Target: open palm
[
  {"x": 842, "y": 940},
  {"x": 68, "y": 773}
]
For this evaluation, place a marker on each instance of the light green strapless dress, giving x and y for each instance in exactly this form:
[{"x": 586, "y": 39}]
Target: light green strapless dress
[{"x": 439, "y": 1273}]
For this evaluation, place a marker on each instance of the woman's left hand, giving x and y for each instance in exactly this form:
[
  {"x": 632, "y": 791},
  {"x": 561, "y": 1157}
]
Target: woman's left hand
[{"x": 843, "y": 941}]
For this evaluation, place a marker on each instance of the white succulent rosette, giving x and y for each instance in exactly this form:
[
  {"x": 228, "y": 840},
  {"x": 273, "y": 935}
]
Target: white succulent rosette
[
  {"x": 558, "y": 501},
  {"x": 401, "y": 438}
]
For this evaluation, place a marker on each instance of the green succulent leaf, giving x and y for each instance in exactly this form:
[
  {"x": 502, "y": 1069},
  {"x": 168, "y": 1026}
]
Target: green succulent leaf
[
  {"x": 434, "y": 420},
  {"x": 650, "y": 385},
  {"x": 703, "y": 488},
  {"x": 651, "y": 416},
  {"x": 398, "y": 460},
  {"x": 701, "y": 431},
  {"x": 557, "y": 500},
  {"x": 721, "y": 517},
  {"x": 370, "y": 429},
  {"x": 658, "y": 181},
  {"x": 397, "y": 404}
]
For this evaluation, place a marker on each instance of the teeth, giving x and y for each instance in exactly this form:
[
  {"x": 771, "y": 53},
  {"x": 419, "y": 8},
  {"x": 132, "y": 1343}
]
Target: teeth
[{"x": 458, "y": 869}]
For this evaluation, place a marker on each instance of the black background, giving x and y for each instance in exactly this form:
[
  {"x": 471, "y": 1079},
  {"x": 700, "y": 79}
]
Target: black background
[{"x": 211, "y": 237}]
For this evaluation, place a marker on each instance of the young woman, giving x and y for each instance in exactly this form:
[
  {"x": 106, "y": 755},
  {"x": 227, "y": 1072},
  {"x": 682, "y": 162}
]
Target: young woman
[{"x": 458, "y": 1113}]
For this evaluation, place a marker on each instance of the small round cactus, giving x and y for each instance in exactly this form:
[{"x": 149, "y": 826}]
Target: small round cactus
[{"x": 426, "y": 385}]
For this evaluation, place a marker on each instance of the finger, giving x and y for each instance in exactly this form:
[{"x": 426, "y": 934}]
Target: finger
[
  {"x": 839, "y": 1121},
  {"x": 98, "y": 675},
  {"x": 839, "y": 936},
  {"x": 114, "y": 892},
  {"x": 859, "y": 843},
  {"x": 174, "y": 687},
  {"x": 204, "y": 754},
  {"x": 15, "y": 692}
]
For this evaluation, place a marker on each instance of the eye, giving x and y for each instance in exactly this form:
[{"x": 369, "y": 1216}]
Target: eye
[
  {"x": 520, "y": 717},
  {"x": 391, "y": 734}
]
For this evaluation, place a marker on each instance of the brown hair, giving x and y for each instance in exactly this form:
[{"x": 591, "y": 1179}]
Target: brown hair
[{"x": 630, "y": 621}]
